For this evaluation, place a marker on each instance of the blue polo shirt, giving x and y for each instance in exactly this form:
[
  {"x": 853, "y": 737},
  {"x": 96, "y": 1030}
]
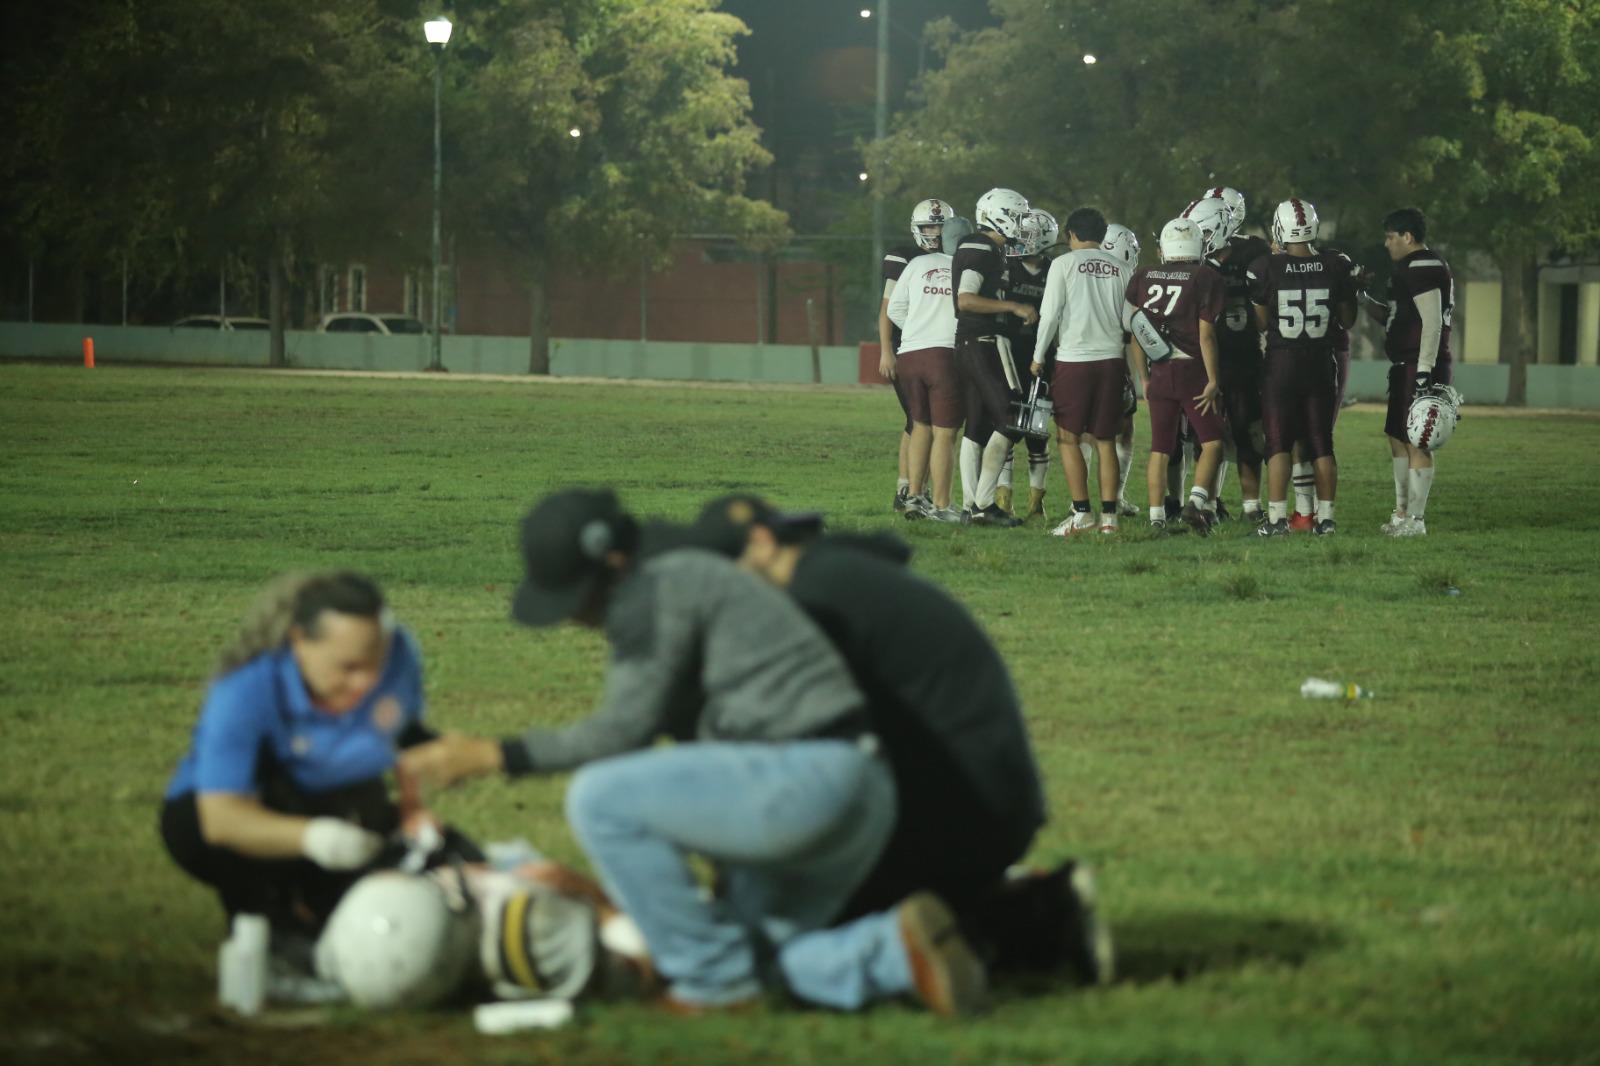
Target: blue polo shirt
[{"x": 264, "y": 702}]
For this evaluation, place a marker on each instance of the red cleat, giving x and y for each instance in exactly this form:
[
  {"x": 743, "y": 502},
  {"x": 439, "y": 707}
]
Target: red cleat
[{"x": 1301, "y": 523}]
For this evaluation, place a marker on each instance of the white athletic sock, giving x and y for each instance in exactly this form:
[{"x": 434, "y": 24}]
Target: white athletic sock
[
  {"x": 1039, "y": 469},
  {"x": 1277, "y": 511},
  {"x": 1005, "y": 471},
  {"x": 1124, "y": 464},
  {"x": 1421, "y": 482},
  {"x": 1305, "y": 488},
  {"x": 1158, "y": 514},
  {"x": 1252, "y": 506},
  {"x": 1402, "y": 484},
  {"x": 1324, "y": 510},
  {"x": 969, "y": 460},
  {"x": 1200, "y": 497},
  {"x": 993, "y": 460}
]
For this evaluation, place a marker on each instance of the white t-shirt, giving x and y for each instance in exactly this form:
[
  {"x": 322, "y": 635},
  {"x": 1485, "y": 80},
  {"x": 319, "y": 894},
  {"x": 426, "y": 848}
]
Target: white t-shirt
[
  {"x": 1082, "y": 310},
  {"x": 921, "y": 305}
]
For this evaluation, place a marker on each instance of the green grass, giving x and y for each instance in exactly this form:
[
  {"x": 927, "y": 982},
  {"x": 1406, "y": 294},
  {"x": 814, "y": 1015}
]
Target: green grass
[{"x": 1408, "y": 879}]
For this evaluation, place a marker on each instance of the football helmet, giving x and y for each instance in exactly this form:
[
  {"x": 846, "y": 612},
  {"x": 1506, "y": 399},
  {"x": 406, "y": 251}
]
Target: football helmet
[
  {"x": 1233, "y": 198},
  {"x": 1039, "y": 230},
  {"x": 1294, "y": 222},
  {"x": 955, "y": 231},
  {"x": 1001, "y": 210},
  {"x": 1211, "y": 214},
  {"x": 398, "y": 940},
  {"x": 1181, "y": 239},
  {"x": 1433, "y": 416},
  {"x": 927, "y": 221},
  {"x": 1121, "y": 242}
]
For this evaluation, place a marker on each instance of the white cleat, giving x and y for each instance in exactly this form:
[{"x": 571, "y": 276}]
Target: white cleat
[
  {"x": 1411, "y": 527},
  {"x": 1077, "y": 523},
  {"x": 1395, "y": 522}
]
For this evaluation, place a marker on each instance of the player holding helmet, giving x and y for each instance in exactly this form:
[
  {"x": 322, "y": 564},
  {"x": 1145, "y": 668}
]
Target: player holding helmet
[
  {"x": 1040, "y": 232},
  {"x": 1298, "y": 294},
  {"x": 1417, "y": 341},
  {"x": 989, "y": 380},
  {"x": 1172, "y": 311},
  {"x": 927, "y": 223}
]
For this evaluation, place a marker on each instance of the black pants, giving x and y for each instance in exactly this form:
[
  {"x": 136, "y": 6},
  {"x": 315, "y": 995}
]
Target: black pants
[{"x": 294, "y": 894}]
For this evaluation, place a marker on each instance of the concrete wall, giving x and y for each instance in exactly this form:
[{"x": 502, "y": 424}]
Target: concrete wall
[{"x": 469, "y": 354}]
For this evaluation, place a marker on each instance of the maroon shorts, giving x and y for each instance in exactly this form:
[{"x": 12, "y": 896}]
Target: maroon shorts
[
  {"x": 1240, "y": 379},
  {"x": 1402, "y": 390},
  {"x": 1087, "y": 397},
  {"x": 932, "y": 391},
  {"x": 1299, "y": 395},
  {"x": 1173, "y": 386}
]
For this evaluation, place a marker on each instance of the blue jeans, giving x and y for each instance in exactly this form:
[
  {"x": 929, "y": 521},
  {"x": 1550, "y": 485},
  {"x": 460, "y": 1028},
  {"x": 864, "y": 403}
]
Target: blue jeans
[{"x": 792, "y": 829}]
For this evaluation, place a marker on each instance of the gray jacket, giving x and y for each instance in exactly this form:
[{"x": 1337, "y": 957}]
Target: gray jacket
[{"x": 701, "y": 650}]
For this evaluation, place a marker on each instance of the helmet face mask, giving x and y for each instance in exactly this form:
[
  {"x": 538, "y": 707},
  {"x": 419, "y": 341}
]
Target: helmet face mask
[
  {"x": 1181, "y": 239},
  {"x": 1294, "y": 222},
  {"x": 1038, "y": 231},
  {"x": 1121, "y": 242},
  {"x": 1001, "y": 210},
  {"x": 1216, "y": 222},
  {"x": 927, "y": 223}
]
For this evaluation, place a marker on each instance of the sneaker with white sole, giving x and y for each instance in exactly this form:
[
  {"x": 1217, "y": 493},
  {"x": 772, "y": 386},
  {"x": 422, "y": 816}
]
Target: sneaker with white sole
[
  {"x": 1280, "y": 528},
  {"x": 1108, "y": 523},
  {"x": 1079, "y": 522},
  {"x": 1323, "y": 528},
  {"x": 946, "y": 973},
  {"x": 1395, "y": 522},
  {"x": 901, "y": 498},
  {"x": 950, "y": 516},
  {"x": 1128, "y": 510}
]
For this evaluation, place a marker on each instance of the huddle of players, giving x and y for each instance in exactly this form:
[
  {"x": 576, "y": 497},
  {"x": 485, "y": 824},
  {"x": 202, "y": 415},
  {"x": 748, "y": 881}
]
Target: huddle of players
[{"x": 1241, "y": 350}]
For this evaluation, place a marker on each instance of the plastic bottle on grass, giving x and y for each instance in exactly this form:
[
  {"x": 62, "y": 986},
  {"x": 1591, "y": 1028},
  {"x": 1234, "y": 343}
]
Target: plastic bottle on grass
[
  {"x": 1315, "y": 688},
  {"x": 242, "y": 965}
]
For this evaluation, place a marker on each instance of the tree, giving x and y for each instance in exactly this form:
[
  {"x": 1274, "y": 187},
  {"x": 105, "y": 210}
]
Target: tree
[{"x": 663, "y": 144}]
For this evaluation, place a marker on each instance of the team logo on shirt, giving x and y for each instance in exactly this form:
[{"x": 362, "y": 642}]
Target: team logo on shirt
[
  {"x": 936, "y": 282},
  {"x": 386, "y": 714}
]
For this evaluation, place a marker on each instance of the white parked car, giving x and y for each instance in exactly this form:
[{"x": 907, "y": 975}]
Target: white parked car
[
  {"x": 366, "y": 322},
  {"x": 221, "y": 322}
]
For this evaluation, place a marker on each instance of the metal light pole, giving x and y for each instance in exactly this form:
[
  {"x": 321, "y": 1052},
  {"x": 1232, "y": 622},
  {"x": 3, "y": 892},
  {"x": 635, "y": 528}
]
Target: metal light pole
[
  {"x": 880, "y": 128},
  {"x": 438, "y": 34}
]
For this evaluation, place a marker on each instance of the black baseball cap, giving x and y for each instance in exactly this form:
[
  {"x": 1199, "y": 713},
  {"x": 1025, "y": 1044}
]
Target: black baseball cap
[
  {"x": 565, "y": 539},
  {"x": 724, "y": 523}
]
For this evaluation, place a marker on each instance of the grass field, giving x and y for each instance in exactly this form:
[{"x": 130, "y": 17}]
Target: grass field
[{"x": 1414, "y": 878}]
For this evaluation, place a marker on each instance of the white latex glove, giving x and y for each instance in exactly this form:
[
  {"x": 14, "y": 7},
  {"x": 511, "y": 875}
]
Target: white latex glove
[{"x": 335, "y": 844}]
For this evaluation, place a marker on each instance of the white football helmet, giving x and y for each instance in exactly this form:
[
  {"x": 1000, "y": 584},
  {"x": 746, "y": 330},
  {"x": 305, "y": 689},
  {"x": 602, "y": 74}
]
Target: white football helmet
[
  {"x": 1039, "y": 230},
  {"x": 1215, "y": 221},
  {"x": 927, "y": 221},
  {"x": 1121, "y": 242},
  {"x": 1181, "y": 239},
  {"x": 1294, "y": 222},
  {"x": 1001, "y": 210},
  {"x": 1233, "y": 198},
  {"x": 1433, "y": 416},
  {"x": 398, "y": 940}
]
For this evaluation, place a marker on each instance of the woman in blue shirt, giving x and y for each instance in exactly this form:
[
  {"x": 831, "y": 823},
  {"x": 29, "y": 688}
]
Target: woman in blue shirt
[{"x": 281, "y": 800}]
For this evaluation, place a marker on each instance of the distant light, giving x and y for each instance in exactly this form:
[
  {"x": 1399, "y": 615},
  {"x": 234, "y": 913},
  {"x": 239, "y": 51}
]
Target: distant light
[
  {"x": 866, "y": 12},
  {"x": 437, "y": 31},
  {"x": 862, "y": 176},
  {"x": 574, "y": 132},
  {"x": 1088, "y": 59}
]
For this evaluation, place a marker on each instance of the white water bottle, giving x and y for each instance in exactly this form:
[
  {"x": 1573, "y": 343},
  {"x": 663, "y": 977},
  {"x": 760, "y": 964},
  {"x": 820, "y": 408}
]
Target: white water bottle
[
  {"x": 1315, "y": 688},
  {"x": 242, "y": 965}
]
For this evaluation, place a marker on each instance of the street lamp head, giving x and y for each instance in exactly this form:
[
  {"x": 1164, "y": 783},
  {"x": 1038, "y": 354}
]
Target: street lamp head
[
  {"x": 861, "y": 176},
  {"x": 866, "y": 12},
  {"x": 1089, "y": 59},
  {"x": 437, "y": 31},
  {"x": 574, "y": 133}
]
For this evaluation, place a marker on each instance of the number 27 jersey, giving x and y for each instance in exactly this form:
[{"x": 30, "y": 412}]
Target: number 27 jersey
[{"x": 1302, "y": 295}]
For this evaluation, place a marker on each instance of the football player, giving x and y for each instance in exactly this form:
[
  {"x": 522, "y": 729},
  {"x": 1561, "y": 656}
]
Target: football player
[
  {"x": 1238, "y": 341},
  {"x": 989, "y": 379},
  {"x": 1082, "y": 319},
  {"x": 1172, "y": 311},
  {"x": 1040, "y": 232},
  {"x": 925, "y": 369},
  {"x": 927, "y": 222},
  {"x": 1417, "y": 342},
  {"x": 1298, "y": 293}
]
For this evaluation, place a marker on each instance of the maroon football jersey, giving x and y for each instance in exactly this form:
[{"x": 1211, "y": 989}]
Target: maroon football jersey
[
  {"x": 1421, "y": 271},
  {"x": 1237, "y": 336},
  {"x": 1176, "y": 296},
  {"x": 1302, "y": 295}
]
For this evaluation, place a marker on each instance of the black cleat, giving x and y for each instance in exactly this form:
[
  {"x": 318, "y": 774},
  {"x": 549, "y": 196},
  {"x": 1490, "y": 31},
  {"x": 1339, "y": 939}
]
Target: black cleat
[
  {"x": 1195, "y": 519},
  {"x": 1323, "y": 528},
  {"x": 1280, "y": 528},
  {"x": 901, "y": 498},
  {"x": 995, "y": 518}
]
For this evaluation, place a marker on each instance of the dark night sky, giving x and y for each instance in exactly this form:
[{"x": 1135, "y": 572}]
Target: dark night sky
[{"x": 811, "y": 69}]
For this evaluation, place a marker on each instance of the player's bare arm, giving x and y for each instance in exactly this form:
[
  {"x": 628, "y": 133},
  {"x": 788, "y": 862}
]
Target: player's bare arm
[
  {"x": 885, "y": 341},
  {"x": 982, "y": 305}
]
